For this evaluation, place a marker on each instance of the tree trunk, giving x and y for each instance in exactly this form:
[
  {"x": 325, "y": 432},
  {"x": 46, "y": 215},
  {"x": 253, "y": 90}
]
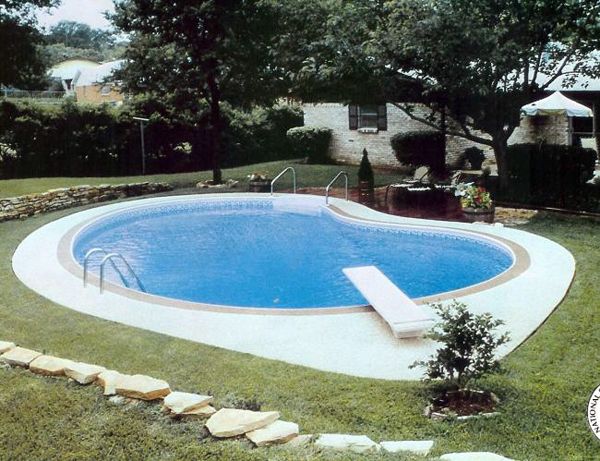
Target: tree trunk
[
  {"x": 500, "y": 147},
  {"x": 216, "y": 126}
]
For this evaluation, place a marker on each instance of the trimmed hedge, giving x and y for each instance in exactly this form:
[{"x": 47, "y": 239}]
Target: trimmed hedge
[
  {"x": 420, "y": 148},
  {"x": 550, "y": 175},
  {"x": 311, "y": 143},
  {"x": 78, "y": 140}
]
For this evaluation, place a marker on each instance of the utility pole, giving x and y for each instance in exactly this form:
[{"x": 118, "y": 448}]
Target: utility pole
[{"x": 142, "y": 121}]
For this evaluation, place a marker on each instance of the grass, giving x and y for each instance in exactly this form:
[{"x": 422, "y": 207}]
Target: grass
[
  {"x": 545, "y": 389},
  {"x": 308, "y": 176}
]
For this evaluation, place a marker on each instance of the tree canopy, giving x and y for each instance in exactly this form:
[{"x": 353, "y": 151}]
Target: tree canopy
[
  {"x": 22, "y": 59},
  {"x": 477, "y": 61},
  {"x": 200, "y": 54}
]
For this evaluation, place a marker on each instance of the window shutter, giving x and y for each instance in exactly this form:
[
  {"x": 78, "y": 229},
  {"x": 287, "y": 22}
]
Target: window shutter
[
  {"x": 353, "y": 116},
  {"x": 382, "y": 117}
]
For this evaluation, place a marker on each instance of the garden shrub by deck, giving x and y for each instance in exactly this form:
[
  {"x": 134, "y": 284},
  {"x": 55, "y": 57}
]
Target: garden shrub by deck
[
  {"x": 550, "y": 175},
  {"x": 420, "y": 148},
  {"x": 311, "y": 143},
  {"x": 79, "y": 140}
]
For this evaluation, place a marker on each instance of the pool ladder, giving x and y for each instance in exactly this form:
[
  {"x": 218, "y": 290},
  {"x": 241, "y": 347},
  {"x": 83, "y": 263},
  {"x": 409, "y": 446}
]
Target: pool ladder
[
  {"x": 108, "y": 257},
  {"x": 289, "y": 168},
  {"x": 328, "y": 188}
]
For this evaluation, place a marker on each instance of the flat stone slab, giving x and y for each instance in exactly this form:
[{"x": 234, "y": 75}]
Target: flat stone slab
[
  {"x": 274, "y": 433},
  {"x": 5, "y": 346},
  {"x": 417, "y": 447},
  {"x": 182, "y": 402},
  {"x": 474, "y": 456},
  {"x": 83, "y": 373},
  {"x": 347, "y": 442},
  {"x": 230, "y": 422},
  {"x": 202, "y": 411},
  {"x": 49, "y": 365},
  {"x": 142, "y": 387},
  {"x": 19, "y": 356},
  {"x": 301, "y": 440},
  {"x": 108, "y": 379}
]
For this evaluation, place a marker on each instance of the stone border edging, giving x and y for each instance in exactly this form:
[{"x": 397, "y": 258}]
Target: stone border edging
[{"x": 24, "y": 206}]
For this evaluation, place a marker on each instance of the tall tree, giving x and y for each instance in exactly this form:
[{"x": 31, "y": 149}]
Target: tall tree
[
  {"x": 22, "y": 59},
  {"x": 200, "y": 54},
  {"x": 476, "y": 60},
  {"x": 78, "y": 35}
]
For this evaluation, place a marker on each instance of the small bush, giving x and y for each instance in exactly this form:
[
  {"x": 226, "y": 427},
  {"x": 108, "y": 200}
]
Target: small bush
[
  {"x": 365, "y": 171},
  {"x": 311, "y": 142},
  {"x": 468, "y": 344},
  {"x": 421, "y": 148},
  {"x": 475, "y": 157}
]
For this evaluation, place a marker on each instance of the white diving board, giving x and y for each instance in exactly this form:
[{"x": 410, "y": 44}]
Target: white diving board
[{"x": 405, "y": 318}]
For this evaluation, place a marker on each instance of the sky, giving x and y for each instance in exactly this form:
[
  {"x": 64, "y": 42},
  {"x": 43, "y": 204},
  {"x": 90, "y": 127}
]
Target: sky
[{"x": 87, "y": 11}]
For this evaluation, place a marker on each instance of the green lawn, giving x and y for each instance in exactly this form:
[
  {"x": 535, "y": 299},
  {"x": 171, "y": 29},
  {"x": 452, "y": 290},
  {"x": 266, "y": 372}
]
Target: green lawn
[
  {"x": 308, "y": 176},
  {"x": 545, "y": 390}
]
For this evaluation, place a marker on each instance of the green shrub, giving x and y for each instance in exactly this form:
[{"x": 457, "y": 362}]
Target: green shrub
[
  {"x": 467, "y": 346},
  {"x": 475, "y": 157},
  {"x": 311, "y": 142},
  {"x": 421, "y": 148},
  {"x": 365, "y": 171},
  {"x": 81, "y": 140}
]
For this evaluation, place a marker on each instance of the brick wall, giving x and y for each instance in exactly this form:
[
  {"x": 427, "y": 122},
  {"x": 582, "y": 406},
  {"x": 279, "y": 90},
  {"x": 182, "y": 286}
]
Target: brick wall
[{"x": 347, "y": 145}]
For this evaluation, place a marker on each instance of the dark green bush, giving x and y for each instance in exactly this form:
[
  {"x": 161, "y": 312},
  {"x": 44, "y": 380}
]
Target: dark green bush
[
  {"x": 310, "y": 142},
  {"x": 79, "y": 140},
  {"x": 549, "y": 175},
  {"x": 421, "y": 148},
  {"x": 365, "y": 171},
  {"x": 475, "y": 157}
]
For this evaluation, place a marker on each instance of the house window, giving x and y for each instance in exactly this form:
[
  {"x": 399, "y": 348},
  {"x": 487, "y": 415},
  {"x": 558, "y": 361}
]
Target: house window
[
  {"x": 367, "y": 116},
  {"x": 105, "y": 90}
]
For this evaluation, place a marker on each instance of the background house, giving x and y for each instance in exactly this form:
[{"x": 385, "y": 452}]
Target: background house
[
  {"x": 66, "y": 71},
  {"x": 355, "y": 127},
  {"x": 96, "y": 85}
]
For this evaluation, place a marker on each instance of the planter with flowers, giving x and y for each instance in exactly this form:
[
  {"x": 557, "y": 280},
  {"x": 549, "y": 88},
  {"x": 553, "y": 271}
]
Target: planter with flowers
[
  {"x": 476, "y": 203},
  {"x": 259, "y": 182}
]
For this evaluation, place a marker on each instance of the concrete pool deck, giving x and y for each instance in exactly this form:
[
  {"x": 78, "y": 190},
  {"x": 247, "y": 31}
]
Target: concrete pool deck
[{"x": 353, "y": 341}]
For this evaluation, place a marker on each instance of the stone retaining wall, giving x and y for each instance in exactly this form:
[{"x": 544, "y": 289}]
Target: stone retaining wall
[{"x": 67, "y": 197}]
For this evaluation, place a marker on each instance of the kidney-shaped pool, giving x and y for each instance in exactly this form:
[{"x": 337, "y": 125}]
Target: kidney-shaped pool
[{"x": 277, "y": 254}]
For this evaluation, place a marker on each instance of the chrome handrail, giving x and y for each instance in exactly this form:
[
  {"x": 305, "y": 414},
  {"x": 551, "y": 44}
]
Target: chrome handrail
[
  {"x": 109, "y": 257},
  {"x": 86, "y": 258},
  {"x": 331, "y": 183},
  {"x": 289, "y": 168}
]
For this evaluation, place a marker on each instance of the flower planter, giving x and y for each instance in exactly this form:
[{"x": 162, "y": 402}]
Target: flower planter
[
  {"x": 463, "y": 404},
  {"x": 479, "y": 214},
  {"x": 366, "y": 194},
  {"x": 259, "y": 186}
]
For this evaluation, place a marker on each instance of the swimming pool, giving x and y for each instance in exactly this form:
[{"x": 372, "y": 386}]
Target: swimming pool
[{"x": 281, "y": 254}]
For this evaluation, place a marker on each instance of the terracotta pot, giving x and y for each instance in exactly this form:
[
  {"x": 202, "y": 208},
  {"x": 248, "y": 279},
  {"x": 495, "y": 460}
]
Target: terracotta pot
[{"x": 479, "y": 214}]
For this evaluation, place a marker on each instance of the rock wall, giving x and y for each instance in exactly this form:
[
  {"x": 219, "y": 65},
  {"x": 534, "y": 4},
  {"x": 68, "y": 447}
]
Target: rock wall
[{"x": 67, "y": 197}]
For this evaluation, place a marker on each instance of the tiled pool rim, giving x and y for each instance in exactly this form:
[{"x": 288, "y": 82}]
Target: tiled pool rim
[
  {"x": 520, "y": 256},
  {"x": 523, "y": 296}
]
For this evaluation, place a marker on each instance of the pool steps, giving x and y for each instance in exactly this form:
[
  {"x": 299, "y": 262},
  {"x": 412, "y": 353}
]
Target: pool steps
[{"x": 405, "y": 318}]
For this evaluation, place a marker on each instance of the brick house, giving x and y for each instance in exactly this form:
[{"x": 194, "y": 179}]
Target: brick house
[
  {"x": 95, "y": 85},
  {"x": 356, "y": 127}
]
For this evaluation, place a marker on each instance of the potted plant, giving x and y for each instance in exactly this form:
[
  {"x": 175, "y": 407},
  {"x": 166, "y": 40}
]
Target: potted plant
[
  {"x": 366, "y": 180},
  {"x": 259, "y": 182},
  {"x": 475, "y": 157},
  {"x": 476, "y": 202},
  {"x": 467, "y": 345}
]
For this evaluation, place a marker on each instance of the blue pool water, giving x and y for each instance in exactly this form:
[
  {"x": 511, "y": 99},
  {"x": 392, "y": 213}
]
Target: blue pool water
[{"x": 248, "y": 254}]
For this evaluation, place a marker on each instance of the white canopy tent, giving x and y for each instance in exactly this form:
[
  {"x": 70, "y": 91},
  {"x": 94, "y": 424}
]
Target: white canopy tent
[{"x": 557, "y": 104}]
